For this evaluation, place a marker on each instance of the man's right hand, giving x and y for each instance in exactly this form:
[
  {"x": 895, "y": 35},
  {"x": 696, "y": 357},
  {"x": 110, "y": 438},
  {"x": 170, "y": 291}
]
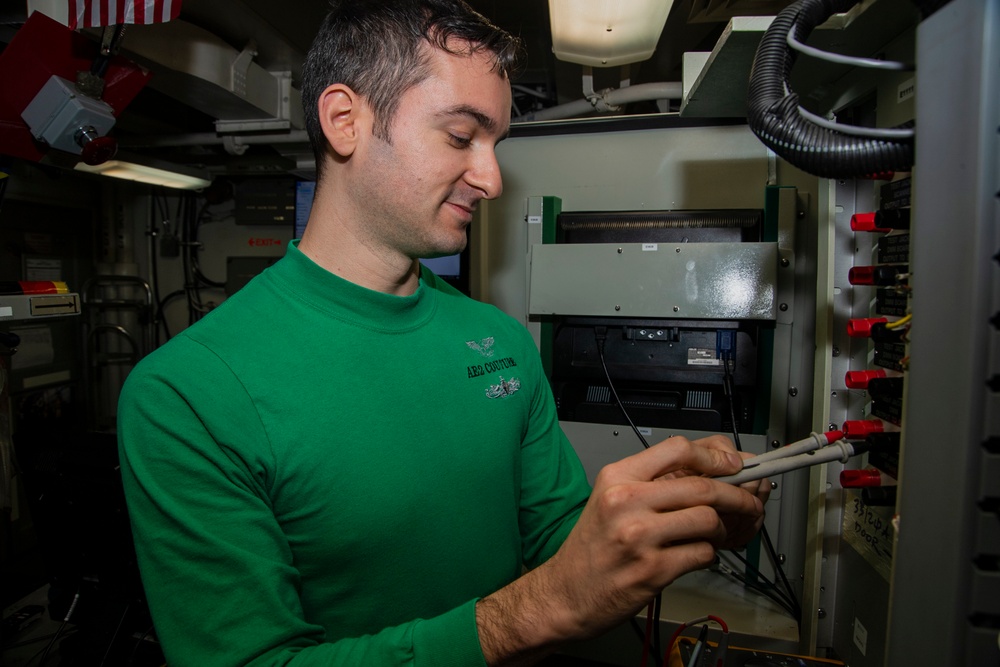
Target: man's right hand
[{"x": 651, "y": 518}]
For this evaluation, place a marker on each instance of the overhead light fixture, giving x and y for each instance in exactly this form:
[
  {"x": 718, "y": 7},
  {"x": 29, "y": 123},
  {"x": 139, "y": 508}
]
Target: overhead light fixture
[
  {"x": 147, "y": 170},
  {"x": 606, "y": 33}
]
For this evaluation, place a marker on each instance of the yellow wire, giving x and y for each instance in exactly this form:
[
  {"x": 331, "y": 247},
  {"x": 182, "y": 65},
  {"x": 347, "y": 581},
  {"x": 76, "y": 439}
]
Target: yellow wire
[{"x": 900, "y": 322}]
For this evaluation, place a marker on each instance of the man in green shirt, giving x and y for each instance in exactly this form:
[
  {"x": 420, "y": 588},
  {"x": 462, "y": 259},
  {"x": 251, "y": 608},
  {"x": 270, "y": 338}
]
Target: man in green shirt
[{"x": 348, "y": 462}]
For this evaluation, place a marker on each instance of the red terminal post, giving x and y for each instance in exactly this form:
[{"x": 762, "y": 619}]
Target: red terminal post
[
  {"x": 882, "y": 221},
  {"x": 882, "y": 275},
  {"x": 862, "y": 327},
  {"x": 857, "y": 479},
  {"x": 859, "y": 429},
  {"x": 860, "y": 379},
  {"x": 874, "y": 328},
  {"x": 865, "y": 222}
]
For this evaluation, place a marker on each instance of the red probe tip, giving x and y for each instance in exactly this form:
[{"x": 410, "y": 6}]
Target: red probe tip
[{"x": 833, "y": 436}]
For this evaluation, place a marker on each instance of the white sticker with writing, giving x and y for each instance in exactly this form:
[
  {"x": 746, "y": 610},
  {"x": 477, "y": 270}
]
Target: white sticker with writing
[
  {"x": 534, "y": 219},
  {"x": 702, "y": 357},
  {"x": 905, "y": 91},
  {"x": 650, "y": 247},
  {"x": 860, "y": 636}
]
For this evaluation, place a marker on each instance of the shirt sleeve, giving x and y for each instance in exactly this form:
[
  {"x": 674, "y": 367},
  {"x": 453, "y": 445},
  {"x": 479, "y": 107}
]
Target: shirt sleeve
[
  {"x": 217, "y": 570},
  {"x": 554, "y": 486}
]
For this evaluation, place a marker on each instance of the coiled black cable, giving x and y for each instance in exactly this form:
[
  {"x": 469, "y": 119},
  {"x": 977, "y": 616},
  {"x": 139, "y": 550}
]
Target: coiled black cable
[{"x": 773, "y": 108}]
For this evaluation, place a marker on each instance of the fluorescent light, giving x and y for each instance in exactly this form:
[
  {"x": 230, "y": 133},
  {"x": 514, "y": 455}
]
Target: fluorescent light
[
  {"x": 606, "y": 33},
  {"x": 154, "y": 172}
]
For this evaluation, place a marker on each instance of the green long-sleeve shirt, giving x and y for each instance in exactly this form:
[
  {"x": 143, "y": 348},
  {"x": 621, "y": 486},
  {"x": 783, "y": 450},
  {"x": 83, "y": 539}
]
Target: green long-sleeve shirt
[{"x": 320, "y": 474}]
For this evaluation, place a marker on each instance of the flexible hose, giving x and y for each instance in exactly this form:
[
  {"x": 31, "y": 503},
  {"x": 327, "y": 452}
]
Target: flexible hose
[{"x": 774, "y": 117}]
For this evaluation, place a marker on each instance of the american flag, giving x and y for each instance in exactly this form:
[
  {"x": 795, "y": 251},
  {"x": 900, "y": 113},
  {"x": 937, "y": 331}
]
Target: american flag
[{"x": 97, "y": 13}]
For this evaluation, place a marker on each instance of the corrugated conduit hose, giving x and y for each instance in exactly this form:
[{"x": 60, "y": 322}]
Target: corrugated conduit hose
[{"x": 773, "y": 113}]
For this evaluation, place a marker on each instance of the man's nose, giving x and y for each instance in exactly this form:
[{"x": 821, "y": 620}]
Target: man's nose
[{"x": 484, "y": 173}]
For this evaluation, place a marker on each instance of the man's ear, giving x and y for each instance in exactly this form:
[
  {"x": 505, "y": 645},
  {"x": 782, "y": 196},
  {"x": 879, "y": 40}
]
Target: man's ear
[{"x": 340, "y": 116}]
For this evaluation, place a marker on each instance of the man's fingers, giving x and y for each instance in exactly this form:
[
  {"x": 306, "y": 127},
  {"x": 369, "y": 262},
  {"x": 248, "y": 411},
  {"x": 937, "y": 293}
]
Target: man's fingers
[
  {"x": 708, "y": 456},
  {"x": 670, "y": 497}
]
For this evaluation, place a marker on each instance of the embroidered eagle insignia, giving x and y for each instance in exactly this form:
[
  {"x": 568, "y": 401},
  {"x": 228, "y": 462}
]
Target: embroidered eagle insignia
[{"x": 483, "y": 347}]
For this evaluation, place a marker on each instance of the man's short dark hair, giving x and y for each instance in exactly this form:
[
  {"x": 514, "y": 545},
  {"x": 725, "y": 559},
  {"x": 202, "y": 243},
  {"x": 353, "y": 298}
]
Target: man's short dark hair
[{"x": 375, "y": 48}]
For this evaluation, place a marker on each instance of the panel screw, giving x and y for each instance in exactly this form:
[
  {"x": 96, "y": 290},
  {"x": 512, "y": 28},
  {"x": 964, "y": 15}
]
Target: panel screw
[
  {"x": 793, "y": 391},
  {"x": 821, "y": 613},
  {"x": 774, "y": 485},
  {"x": 775, "y": 444},
  {"x": 836, "y": 351},
  {"x": 785, "y": 262},
  {"x": 781, "y": 559},
  {"x": 619, "y": 251},
  {"x": 618, "y": 307},
  {"x": 801, "y": 214},
  {"x": 831, "y": 427},
  {"x": 616, "y": 433},
  {"x": 783, "y": 307},
  {"x": 676, "y": 308}
]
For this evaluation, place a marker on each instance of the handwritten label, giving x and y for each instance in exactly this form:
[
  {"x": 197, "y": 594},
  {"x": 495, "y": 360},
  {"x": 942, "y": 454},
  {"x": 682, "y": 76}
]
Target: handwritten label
[{"x": 869, "y": 530}]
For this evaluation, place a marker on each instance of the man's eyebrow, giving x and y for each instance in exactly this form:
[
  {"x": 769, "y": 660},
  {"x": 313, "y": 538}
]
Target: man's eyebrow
[{"x": 484, "y": 121}]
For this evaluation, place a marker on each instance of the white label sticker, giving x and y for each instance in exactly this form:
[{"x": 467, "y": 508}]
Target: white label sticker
[
  {"x": 647, "y": 247},
  {"x": 905, "y": 91},
  {"x": 6, "y": 311},
  {"x": 702, "y": 357},
  {"x": 534, "y": 219},
  {"x": 860, "y": 636},
  {"x": 42, "y": 269},
  {"x": 645, "y": 430}
]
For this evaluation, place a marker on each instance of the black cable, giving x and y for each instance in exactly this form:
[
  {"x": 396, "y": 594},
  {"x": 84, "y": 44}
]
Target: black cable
[
  {"x": 114, "y": 636},
  {"x": 769, "y": 594},
  {"x": 196, "y": 263},
  {"x": 729, "y": 391},
  {"x": 154, "y": 272},
  {"x": 769, "y": 546},
  {"x": 162, "y": 304},
  {"x": 601, "y": 333},
  {"x": 766, "y": 584},
  {"x": 59, "y": 633},
  {"x": 138, "y": 643}
]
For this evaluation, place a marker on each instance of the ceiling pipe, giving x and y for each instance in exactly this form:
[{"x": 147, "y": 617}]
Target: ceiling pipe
[
  {"x": 666, "y": 90},
  {"x": 669, "y": 90},
  {"x": 213, "y": 139}
]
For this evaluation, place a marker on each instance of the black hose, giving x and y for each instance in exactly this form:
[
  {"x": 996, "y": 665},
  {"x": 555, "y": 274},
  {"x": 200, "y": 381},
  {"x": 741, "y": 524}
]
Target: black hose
[{"x": 774, "y": 117}]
